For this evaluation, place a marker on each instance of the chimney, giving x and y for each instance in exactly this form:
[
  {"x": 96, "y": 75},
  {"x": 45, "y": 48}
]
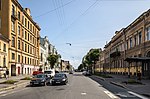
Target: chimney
[{"x": 28, "y": 11}]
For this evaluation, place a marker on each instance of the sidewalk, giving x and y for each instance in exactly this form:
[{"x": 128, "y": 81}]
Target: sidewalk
[
  {"x": 143, "y": 88},
  {"x": 12, "y": 86}
]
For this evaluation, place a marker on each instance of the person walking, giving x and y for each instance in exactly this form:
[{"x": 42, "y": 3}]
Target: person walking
[{"x": 7, "y": 73}]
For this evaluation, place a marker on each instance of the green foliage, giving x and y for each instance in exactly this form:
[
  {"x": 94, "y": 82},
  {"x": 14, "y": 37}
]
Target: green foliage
[
  {"x": 131, "y": 81},
  {"x": 26, "y": 78},
  {"x": 9, "y": 82},
  {"x": 53, "y": 59},
  {"x": 103, "y": 75}
]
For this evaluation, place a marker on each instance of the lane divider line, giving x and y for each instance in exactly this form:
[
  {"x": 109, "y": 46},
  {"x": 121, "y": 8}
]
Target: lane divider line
[
  {"x": 140, "y": 96},
  {"x": 111, "y": 95}
]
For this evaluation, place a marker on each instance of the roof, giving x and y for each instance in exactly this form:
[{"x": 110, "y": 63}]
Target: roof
[{"x": 137, "y": 59}]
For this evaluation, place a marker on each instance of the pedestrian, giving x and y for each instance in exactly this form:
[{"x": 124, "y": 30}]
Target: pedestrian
[
  {"x": 7, "y": 73},
  {"x": 139, "y": 75}
]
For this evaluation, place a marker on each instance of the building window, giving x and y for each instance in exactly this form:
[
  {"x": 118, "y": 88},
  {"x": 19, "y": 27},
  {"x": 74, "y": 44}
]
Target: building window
[
  {"x": 22, "y": 46},
  {"x": 140, "y": 37},
  {"x": 13, "y": 56},
  {"x": 28, "y": 48},
  {"x": 23, "y": 20},
  {"x": 148, "y": 33},
  {"x": 28, "y": 36},
  {"x": 41, "y": 57},
  {"x": 4, "y": 61},
  {"x": 19, "y": 30},
  {"x": 22, "y": 33},
  {"x": 13, "y": 42},
  {"x": 4, "y": 49},
  {"x": 18, "y": 58},
  {"x": 18, "y": 44},
  {"x": 13, "y": 25},
  {"x": 135, "y": 40},
  {"x": 25, "y": 35},
  {"x": 0, "y": 4},
  {"x": 130, "y": 42},
  {"x": 127, "y": 46},
  {"x": 28, "y": 60},
  {"x": 25, "y": 60},
  {"x": 0, "y": 22},
  {"x": 28, "y": 25},
  {"x": 0, "y": 45},
  {"x": 13, "y": 10},
  {"x": 18, "y": 15},
  {"x": 22, "y": 59},
  {"x": 25, "y": 47}
]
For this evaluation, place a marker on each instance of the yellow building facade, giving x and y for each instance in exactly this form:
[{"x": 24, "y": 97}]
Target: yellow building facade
[
  {"x": 18, "y": 26},
  {"x": 3, "y": 54},
  {"x": 132, "y": 42}
]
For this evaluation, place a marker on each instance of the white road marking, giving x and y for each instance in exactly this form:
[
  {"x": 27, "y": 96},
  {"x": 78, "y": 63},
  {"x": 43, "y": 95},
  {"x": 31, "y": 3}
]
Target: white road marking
[
  {"x": 111, "y": 95},
  {"x": 3, "y": 92},
  {"x": 8, "y": 93},
  {"x": 140, "y": 96},
  {"x": 83, "y": 93}
]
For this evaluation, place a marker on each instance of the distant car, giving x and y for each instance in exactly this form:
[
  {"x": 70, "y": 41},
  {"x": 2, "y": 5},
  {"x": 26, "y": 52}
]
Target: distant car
[
  {"x": 40, "y": 79},
  {"x": 86, "y": 73},
  {"x": 71, "y": 72},
  {"x": 37, "y": 72},
  {"x": 60, "y": 78},
  {"x": 50, "y": 72}
]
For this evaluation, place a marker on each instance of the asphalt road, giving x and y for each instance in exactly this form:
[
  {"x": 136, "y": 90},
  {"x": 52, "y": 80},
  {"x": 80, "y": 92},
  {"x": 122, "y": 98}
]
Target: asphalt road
[
  {"x": 119, "y": 91},
  {"x": 79, "y": 87}
]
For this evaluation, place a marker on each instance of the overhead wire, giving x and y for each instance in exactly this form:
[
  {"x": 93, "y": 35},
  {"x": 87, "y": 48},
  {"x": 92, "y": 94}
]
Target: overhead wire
[
  {"x": 54, "y": 9},
  {"x": 82, "y": 14}
]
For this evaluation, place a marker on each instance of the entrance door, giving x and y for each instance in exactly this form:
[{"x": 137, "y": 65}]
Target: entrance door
[
  {"x": 13, "y": 70},
  {"x": 18, "y": 70}
]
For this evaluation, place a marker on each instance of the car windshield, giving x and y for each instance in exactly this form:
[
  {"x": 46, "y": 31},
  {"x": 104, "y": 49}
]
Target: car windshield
[
  {"x": 47, "y": 72},
  {"x": 39, "y": 76},
  {"x": 59, "y": 75}
]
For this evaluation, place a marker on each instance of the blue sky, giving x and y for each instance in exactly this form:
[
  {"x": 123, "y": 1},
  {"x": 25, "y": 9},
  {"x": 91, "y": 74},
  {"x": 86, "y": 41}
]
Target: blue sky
[{"x": 85, "y": 24}]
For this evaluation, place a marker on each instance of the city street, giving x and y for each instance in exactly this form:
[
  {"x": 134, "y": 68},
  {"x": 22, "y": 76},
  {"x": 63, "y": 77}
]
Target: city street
[{"x": 79, "y": 87}]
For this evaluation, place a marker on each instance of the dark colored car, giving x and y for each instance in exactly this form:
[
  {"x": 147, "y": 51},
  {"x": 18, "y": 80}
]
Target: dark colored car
[
  {"x": 40, "y": 79},
  {"x": 60, "y": 78}
]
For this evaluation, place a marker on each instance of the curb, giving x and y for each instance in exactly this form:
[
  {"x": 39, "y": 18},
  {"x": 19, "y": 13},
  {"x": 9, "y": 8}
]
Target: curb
[
  {"x": 13, "y": 86},
  {"x": 100, "y": 78},
  {"x": 118, "y": 84}
]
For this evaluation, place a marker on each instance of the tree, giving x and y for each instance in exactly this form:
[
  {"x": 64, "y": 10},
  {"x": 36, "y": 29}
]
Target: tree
[
  {"x": 91, "y": 58},
  {"x": 52, "y": 59}
]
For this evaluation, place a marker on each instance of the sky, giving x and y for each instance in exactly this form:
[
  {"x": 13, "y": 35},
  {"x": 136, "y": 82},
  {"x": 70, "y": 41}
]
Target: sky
[{"x": 84, "y": 24}]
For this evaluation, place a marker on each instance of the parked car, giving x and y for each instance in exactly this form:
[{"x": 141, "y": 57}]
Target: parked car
[
  {"x": 60, "y": 78},
  {"x": 40, "y": 79},
  {"x": 37, "y": 72}
]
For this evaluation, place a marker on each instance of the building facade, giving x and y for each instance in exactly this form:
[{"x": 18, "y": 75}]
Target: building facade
[
  {"x": 130, "y": 42},
  {"x": 3, "y": 54},
  {"x": 18, "y": 26}
]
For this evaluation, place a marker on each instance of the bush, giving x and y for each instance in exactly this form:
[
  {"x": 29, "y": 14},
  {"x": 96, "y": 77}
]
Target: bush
[
  {"x": 131, "y": 81},
  {"x": 9, "y": 82},
  {"x": 26, "y": 78},
  {"x": 103, "y": 75}
]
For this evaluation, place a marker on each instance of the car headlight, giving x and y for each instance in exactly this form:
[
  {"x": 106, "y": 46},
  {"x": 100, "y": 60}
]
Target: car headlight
[
  {"x": 42, "y": 80},
  {"x": 63, "y": 79}
]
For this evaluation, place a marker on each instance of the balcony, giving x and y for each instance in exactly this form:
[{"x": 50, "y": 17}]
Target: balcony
[{"x": 115, "y": 54}]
